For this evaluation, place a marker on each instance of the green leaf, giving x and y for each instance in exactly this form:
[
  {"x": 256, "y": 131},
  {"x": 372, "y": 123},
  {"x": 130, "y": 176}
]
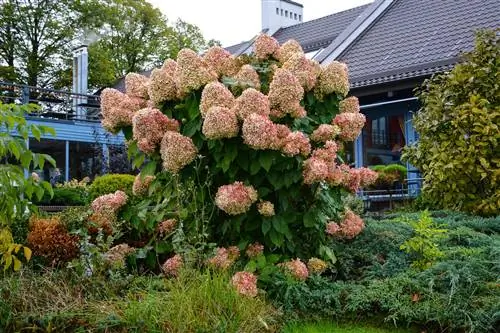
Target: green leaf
[
  {"x": 254, "y": 167},
  {"x": 14, "y": 148},
  {"x": 327, "y": 254},
  {"x": 26, "y": 158},
  {"x": 266, "y": 160},
  {"x": 36, "y": 132},
  {"x": 251, "y": 266},
  {"x": 279, "y": 224},
  {"x": 149, "y": 169},
  {"x": 309, "y": 219},
  {"x": 276, "y": 238},
  {"x": 266, "y": 226},
  {"x": 17, "y": 264}
]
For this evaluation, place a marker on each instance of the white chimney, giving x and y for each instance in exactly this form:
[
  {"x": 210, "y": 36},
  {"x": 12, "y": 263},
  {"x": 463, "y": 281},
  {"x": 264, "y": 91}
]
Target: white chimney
[
  {"x": 278, "y": 14},
  {"x": 80, "y": 79}
]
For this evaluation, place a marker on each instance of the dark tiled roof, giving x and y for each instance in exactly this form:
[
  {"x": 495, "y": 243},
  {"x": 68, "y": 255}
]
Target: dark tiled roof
[
  {"x": 314, "y": 34},
  {"x": 318, "y": 33},
  {"x": 417, "y": 38}
]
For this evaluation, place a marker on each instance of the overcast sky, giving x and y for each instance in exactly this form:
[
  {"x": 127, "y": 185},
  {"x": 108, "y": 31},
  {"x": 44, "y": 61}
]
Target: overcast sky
[{"x": 233, "y": 21}]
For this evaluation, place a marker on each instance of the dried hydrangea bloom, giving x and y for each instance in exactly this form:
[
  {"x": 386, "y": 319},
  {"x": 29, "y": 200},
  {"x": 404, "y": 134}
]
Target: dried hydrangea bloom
[
  {"x": 288, "y": 50},
  {"x": 350, "y": 125},
  {"x": 149, "y": 126},
  {"x": 316, "y": 266},
  {"x": 136, "y": 85},
  {"x": 116, "y": 255},
  {"x": 297, "y": 269},
  {"x": 220, "y": 123},
  {"x": 254, "y": 250},
  {"x": 251, "y": 101},
  {"x": 236, "y": 198},
  {"x": 265, "y": 46},
  {"x": 172, "y": 266},
  {"x": 105, "y": 219},
  {"x": 109, "y": 202},
  {"x": 215, "y": 94},
  {"x": 247, "y": 77},
  {"x": 224, "y": 258},
  {"x": 321, "y": 164},
  {"x": 169, "y": 66},
  {"x": 118, "y": 109},
  {"x": 340, "y": 176},
  {"x": 166, "y": 227},
  {"x": 221, "y": 61},
  {"x": 265, "y": 208},
  {"x": 162, "y": 86},
  {"x": 177, "y": 151},
  {"x": 245, "y": 283},
  {"x": 285, "y": 92},
  {"x": 141, "y": 185},
  {"x": 296, "y": 143},
  {"x": 350, "y": 226},
  {"x": 259, "y": 132},
  {"x": 349, "y": 105},
  {"x": 333, "y": 78},
  {"x": 306, "y": 70},
  {"x": 192, "y": 72},
  {"x": 325, "y": 132},
  {"x": 368, "y": 176}
]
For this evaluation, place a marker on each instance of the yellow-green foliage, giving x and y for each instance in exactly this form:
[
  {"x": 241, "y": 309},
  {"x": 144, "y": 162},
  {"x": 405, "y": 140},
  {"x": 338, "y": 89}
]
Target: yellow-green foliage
[
  {"x": 423, "y": 245},
  {"x": 110, "y": 184},
  {"x": 458, "y": 151}
]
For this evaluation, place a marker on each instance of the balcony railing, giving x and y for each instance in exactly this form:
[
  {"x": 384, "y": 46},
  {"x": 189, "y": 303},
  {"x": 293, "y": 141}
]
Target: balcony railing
[{"x": 54, "y": 104}]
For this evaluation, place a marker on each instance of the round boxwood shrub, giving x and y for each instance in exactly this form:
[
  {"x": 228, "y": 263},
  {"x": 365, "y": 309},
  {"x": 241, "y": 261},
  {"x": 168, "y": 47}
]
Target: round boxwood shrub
[{"x": 111, "y": 183}]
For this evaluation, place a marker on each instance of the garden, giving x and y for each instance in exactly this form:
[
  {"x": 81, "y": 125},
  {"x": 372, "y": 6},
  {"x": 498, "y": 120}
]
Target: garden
[{"x": 243, "y": 214}]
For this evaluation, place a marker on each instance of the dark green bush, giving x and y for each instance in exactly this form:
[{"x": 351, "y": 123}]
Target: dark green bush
[
  {"x": 373, "y": 278},
  {"x": 110, "y": 184},
  {"x": 65, "y": 197}
]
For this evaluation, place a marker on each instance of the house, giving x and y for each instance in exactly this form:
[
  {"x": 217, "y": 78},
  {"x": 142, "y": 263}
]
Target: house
[{"x": 390, "y": 47}]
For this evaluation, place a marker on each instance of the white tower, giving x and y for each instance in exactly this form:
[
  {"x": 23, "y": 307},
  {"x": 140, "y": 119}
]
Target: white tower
[
  {"x": 80, "y": 79},
  {"x": 278, "y": 14}
]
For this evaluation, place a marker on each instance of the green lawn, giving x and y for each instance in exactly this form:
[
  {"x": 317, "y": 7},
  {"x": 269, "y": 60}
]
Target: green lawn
[{"x": 325, "y": 327}]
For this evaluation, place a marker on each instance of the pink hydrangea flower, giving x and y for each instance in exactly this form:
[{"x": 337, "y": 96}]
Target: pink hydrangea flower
[
  {"x": 350, "y": 226},
  {"x": 265, "y": 208},
  {"x": 118, "y": 109},
  {"x": 166, "y": 227},
  {"x": 149, "y": 126},
  {"x": 192, "y": 72},
  {"x": 259, "y": 132},
  {"x": 306, "y": 70},
  {"x": 245, "y": 283},
  {"x": 221, "y": 61},
  {"x": 297, "y": 269},
  {"x": 136, "y": 85},
  {"x": 236, "y": 198},
  {"x": 141, "y": 186},
  {"x": 177, "y": 151},
  {"x": 215, "y": 94},
  {"x": 109, "y": 202},
  {"x": 288, "y": 50},
  {"x": 265, "y": 46},
  {"x": 368, "y": 176},
  {"x": 296, "y": 143},
  {"x": 333, "y": 78},
  {"x": 251, "y": 101},
  {"x": 162, "y": 85},
  {"x": 325, "y": 132},
  {"x": 285, "y": 94},
  {"x": 349, "y": 105},
  {"x": 254, "y": 250},
  {"x": 321, "y": 164},
  {"x": 220, "y": 123},
  {"x": 350, "y": 125},
  {"x": 172, "y": 266},
  {"x": 224, "y": 258},
  {"x": 339, "y": 176},
  {"x": 247, "y": 77}
]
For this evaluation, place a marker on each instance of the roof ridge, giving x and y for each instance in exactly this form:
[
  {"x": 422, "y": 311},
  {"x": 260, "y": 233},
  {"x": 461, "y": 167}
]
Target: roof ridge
[{"x": 323, "y": 17}]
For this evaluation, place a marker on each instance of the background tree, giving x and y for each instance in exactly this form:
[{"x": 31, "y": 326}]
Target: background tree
[{"x": 458, "y": 150}]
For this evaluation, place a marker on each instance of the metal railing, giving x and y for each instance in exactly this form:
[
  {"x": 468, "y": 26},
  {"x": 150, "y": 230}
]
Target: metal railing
[
  {"x": 408, "y": 190},
  {"x": 54, "y": 104}
]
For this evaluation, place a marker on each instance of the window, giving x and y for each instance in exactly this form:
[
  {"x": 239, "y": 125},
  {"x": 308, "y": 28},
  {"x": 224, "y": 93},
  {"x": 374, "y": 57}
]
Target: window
[
  {"x": 286, "y": 13},
  {"x": 295, "y": 16},
  {"x": 282, "y": 12},
  {"x": 379, "y": 131},
  {"x": 277, "y": 11},
  {"x": 300, "y": 18}
]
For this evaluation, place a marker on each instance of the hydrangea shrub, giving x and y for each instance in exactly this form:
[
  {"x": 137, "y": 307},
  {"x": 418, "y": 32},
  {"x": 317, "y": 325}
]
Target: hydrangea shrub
[{"x": 263, "y": 133}]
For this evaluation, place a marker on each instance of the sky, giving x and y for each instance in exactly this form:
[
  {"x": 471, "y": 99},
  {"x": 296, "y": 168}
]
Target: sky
[{"x": 234, "y": 21}]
